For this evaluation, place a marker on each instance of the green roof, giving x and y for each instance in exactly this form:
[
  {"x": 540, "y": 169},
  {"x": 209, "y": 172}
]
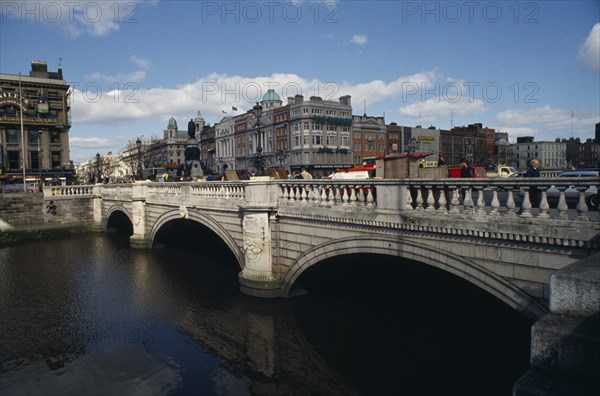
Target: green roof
[{"x": 270, "y": 95}]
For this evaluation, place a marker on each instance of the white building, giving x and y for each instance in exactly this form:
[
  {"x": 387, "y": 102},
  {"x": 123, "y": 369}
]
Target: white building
[{"x": 552, "y": 155}]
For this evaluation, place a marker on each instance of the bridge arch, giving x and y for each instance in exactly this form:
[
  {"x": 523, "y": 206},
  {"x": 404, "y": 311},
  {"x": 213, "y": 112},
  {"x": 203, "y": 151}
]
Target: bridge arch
[
  {"x": 413, "y": 250},
  {"x": 121, "y": 213},
  {"x": 204, "y": 220}
]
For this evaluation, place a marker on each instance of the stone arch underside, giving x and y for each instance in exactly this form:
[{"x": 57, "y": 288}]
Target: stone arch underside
[
  {"x": 117, "y": 208},
  {"x": 438, "y": 258},
  {"x": 204, "y": 220}
]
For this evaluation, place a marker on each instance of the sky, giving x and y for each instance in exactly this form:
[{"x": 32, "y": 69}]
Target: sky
[{"x": 529, "y": 68}]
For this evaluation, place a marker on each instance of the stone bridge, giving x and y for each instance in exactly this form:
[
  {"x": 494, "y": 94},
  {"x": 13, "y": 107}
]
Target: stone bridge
[{"x": 482, "y": 230}]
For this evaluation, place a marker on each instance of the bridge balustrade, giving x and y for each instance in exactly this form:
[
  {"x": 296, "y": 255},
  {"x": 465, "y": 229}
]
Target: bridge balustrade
[
  {"x": 483, "y": 197},
  {"x": 69, "y": 191},
  {"x": 479, "y": 197},
  {"x": 327, "y": 193}
]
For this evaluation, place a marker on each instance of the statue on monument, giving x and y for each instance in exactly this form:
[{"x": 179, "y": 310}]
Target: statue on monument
[{"x": 191, "y": 129}]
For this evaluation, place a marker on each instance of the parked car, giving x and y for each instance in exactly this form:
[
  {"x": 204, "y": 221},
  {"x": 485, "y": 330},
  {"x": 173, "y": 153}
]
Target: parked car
[{"x": 571, "y": 194}]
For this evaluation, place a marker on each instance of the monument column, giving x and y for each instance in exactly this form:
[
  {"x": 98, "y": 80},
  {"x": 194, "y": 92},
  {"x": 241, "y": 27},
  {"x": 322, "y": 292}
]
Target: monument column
[{"x": 192, "y": 153}]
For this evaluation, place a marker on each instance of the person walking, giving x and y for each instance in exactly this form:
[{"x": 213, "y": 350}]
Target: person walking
[
  {"x": 533, "y": 170},
  {"x": 305, "y": 174},
  {"x": 466, "y": 170}
]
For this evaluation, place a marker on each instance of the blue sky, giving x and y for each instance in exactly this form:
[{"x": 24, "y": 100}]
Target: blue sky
[{"x": 528, "y": 68}]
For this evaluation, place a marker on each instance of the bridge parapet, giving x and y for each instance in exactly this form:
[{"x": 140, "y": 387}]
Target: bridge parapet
[
  {"x": 472, "y": 207},
  {"x": 68, "y": 191}
]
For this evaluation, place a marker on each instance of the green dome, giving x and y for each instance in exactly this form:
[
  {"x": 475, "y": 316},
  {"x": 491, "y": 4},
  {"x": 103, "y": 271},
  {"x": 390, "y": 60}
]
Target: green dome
[
  {"x": 270, "y": 95},
  {"x": 172, "y": 123}
]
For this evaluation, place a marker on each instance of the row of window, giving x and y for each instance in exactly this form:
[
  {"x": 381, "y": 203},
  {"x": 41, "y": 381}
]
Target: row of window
[
  {"x": 329, "y": 112},
  {"x": 308, "y": 126},
  {"x": 13, "y": 159},
  {"x": 319, "y": 140},
  {"x": 12, "y": 136}
]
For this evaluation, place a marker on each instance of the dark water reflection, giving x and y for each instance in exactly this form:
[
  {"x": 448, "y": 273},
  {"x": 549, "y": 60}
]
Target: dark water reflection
[{"x": 88, "y": 315}]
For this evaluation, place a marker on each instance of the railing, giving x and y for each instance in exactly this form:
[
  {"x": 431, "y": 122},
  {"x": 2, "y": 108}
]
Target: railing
[
  {"x": 479, "y": 197},
  {"x": 319, "y": 192},
  {"x": 69, "y": 191},
  {"x": 494, "y": 197},
  {"x": 226, "y": 190}
]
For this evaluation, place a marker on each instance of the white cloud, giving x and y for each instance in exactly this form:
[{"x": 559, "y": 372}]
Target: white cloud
[
  {"x": 589, "y": 53},
  {"x": 140, "y": 62},
  {"x": 433, "y": 110},
  {"x": 217, "y": 92},
  {"x": 95, "y": 18},
  {"x": 89, "y": 142},
  {"x": 359, "y": 39},
  {"x": 539, "y": 115},
  {"x": 124, "y": 78}
]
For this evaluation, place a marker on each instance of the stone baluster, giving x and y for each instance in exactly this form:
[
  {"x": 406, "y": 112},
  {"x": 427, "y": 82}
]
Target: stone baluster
[
  {"x": 338, "y": 193},
  {"x": 562, "y": 204},
  {"x": 419, "y": 200},
  {"x": 544, "y": 206},
  {"x": 369, "y": 198},
  {"x": 345, "y": 197},
  {"x": 303, "y": 195},
  {"x": 454, "y": 201},
  {"x": 359, "y": 193},
  {"x": 284, "y": 193},
  {"x": 317, "y": 194},
  {"x": 480, "y": 201},
  {"x": 409, "y": 200},
  {"x": 352, "y": 191},
  {"x": 442, "y": 202},
  {"x": 526, "y": 204},
  {"x": 495, "y": 203},
  {"x": 581, "y": 207},
  {"x": 430, "y": 201},
  {"x": 332, "y": 194},
  {"x": 468, "y": 201},
  {"x": 510, "y": 204}
]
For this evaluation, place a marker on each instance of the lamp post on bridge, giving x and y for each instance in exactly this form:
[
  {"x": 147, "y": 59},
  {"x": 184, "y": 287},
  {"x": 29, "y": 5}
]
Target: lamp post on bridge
[
  {"x": 97, "y": 167},
  {"x": 281, "y": 157},
  {"x": 259, "y": 162},
  {"x": 138, "y": 144}
]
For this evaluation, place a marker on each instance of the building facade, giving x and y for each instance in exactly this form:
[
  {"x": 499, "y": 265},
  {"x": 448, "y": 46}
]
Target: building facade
[
  {"x": 393, "y": 139},
  {"x": 473, "y": 142},
  {"x": 40, "y": 104},
  {"x": 368, "y": 137},
  {"x": 320, "y": 134},
  {"x": 552, "y": 155}
]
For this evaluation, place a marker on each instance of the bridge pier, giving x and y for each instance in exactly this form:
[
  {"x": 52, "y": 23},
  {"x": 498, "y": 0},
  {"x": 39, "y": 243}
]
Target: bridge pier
[
  {"x": 140, "y": 238},
  {"x": 257, "y": 279}
]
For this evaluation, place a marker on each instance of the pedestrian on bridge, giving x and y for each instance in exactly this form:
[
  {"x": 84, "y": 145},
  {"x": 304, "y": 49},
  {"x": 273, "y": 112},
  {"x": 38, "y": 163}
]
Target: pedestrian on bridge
[{"x": 534, "y": 171}]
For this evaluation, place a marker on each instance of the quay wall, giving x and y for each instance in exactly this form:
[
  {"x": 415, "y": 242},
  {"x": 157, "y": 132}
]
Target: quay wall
[{"x": 33, "y": 211}]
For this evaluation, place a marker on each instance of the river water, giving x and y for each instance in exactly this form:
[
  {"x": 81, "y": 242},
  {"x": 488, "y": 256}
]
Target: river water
[{"x": 86, "y": 314}]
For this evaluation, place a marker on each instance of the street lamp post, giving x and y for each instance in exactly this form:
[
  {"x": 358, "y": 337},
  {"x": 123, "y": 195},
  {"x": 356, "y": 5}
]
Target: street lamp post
[
  {"x": 281, "y": 156},
  {"x": 138, "y": 143},
  {"x": 259, "y": 161},
  {"x": 98, "y": 167}
]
